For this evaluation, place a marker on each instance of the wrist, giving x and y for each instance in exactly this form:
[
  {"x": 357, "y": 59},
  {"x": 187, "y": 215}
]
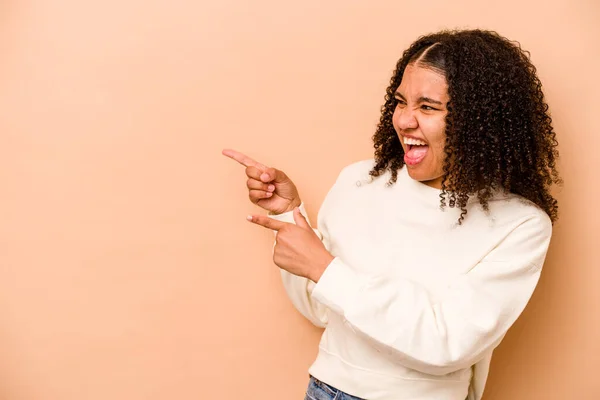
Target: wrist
[
  {"x": 293, "y": 205},
  {"x": 290, "y": 208},
  {"x": 320, "y": 267}
]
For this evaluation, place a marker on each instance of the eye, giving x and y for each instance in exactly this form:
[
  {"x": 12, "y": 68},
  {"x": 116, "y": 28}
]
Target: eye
[
  {"x": 428, "y": 108},
  {"x": 400, "y": 102}
]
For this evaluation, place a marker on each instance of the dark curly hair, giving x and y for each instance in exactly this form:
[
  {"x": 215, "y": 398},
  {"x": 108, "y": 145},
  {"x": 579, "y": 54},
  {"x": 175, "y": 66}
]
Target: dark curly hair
[{"x": 499, "y": 132}]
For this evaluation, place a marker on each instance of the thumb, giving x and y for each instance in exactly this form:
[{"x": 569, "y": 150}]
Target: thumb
[
  {"x": 272, "y": 174},
  {"x": 300, "y": 220}
]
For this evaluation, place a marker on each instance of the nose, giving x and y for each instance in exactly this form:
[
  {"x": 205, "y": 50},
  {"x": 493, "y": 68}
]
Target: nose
[{"x": 406, "y": 119}]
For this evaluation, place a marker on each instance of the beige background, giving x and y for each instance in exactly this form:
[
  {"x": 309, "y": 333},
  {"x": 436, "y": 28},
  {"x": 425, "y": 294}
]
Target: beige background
[{"x": 127, "y": 269}]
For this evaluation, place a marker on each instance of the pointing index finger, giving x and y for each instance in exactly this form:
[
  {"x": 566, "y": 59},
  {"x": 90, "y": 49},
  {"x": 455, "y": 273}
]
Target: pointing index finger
[
  {"x": 267, "y": 222},
  {"x": 243, "y": 159}
]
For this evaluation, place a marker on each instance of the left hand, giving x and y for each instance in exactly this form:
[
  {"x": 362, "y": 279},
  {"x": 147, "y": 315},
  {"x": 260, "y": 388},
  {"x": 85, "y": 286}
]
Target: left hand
[{"x": 298, "y": 249}]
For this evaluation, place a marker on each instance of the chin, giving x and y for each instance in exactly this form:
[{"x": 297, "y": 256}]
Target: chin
[
  {"x": 427, "y": 178},
  {"x": 418, "y": 174}
]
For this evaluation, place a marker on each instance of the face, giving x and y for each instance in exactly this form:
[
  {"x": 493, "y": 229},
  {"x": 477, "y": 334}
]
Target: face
[{"x": 419, "y": 121}]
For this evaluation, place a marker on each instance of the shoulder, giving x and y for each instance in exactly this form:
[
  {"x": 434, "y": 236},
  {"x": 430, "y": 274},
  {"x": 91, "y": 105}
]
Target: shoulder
[
  {"x": 348, "y": 178},
  {"x": 517, "y": 231},
  {"x": 358, "y": 170},
  {"x": 527, "y": 222},
  {"x": 515, "y": 207}
]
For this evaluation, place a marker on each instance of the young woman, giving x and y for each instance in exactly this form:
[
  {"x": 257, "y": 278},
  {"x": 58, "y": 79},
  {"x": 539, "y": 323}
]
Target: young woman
[{"x": 426, "y": 254}]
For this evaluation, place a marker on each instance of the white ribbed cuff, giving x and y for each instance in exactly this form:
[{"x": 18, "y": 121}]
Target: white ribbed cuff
[{"x": 289, "y": 216}]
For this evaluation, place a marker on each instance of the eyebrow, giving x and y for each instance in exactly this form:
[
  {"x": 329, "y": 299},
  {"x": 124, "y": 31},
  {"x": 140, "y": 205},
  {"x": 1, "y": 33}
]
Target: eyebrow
[{"x": 422, "y": 99}]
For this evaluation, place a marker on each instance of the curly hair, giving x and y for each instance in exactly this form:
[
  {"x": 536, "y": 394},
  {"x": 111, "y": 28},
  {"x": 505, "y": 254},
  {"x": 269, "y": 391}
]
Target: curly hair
[{"x": 499, "y": 131}]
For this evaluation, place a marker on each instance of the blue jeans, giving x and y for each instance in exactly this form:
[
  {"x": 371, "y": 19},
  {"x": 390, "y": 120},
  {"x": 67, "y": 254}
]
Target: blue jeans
[{"x": 318, "y": 390}]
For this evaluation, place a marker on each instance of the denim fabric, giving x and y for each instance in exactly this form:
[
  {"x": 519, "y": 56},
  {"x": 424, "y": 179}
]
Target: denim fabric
[{"x": 318, "y": 390}]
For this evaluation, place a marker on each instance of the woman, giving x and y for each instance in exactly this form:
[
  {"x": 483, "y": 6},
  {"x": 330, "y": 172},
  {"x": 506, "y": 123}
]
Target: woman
[{"x": 425, "y": 255}]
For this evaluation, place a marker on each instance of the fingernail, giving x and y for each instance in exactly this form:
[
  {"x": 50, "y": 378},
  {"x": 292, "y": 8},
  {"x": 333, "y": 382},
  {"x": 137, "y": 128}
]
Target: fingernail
[
  {"x": 271, "y": 188},
  {"x": 264, "y": 177},
  {"x": 249, "y": 217},
  {"x": 269, "y": 194}
]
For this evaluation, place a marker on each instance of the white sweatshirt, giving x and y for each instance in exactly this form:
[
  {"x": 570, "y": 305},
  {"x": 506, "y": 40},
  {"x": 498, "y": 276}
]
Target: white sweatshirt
[{"x": 414, "y": 304}]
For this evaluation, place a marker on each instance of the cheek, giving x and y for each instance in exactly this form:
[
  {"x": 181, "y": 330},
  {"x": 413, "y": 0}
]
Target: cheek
[
  {"x": 439, "y": 148},
  {"x": 395, "y": 119},
  {"x": 436, "y": 134}
]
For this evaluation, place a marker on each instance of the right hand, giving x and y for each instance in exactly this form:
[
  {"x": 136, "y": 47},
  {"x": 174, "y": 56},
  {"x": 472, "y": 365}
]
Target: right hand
[{"x": 269, "y": 188}]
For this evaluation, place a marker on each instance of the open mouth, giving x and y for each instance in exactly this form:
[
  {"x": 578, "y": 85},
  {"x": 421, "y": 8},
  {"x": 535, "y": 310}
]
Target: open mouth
[{"x": 416, "y": 150}]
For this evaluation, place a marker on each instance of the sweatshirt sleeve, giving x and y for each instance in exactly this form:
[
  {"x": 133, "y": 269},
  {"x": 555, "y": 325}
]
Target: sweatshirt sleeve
[
  {"x": 468, "y": 318},
  {"x": 299, "y": 288}
]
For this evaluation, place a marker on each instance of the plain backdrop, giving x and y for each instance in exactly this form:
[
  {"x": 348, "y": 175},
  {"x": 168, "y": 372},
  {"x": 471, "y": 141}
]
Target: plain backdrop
[{"x": 127, "y": 269}]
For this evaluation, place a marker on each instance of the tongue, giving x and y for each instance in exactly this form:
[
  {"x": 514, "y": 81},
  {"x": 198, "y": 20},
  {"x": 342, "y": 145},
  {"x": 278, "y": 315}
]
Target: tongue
[{"x": 416, "y": 154}]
